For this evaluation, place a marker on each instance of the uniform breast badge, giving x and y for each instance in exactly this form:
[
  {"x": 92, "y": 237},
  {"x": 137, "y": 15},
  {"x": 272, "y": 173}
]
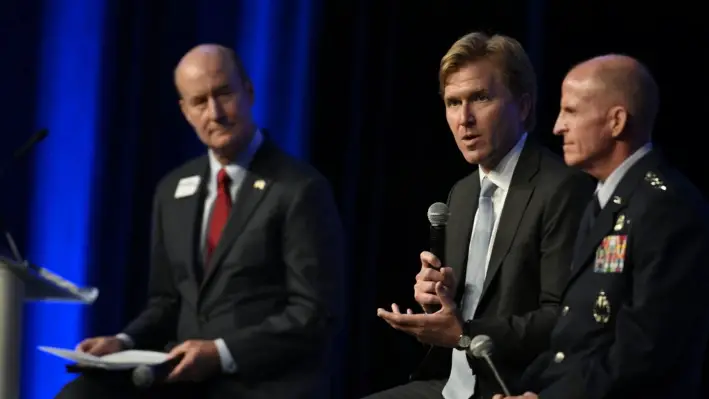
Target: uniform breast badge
[
  {"x": 619, "y": 223},
  {"x": 610, "y": 255},
  {"x": 602, "y": 309}
]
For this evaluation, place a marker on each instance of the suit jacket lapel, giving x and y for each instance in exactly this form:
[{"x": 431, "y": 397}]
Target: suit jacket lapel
[
  {"x": 248, "y": 197},
  {"x": 462, "y": 208},
  {"x": 513, "y": 209},
  {"x": 188, "y": 211}
]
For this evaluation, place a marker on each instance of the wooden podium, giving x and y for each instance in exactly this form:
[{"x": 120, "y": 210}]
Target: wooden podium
[{"x": 22, "y": 282}]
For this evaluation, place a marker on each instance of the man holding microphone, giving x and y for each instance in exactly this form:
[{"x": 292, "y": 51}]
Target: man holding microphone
[{"x": 510, "y": 233}]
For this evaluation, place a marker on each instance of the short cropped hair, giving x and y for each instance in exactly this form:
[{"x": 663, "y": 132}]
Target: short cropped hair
[{"x": 639, "y": 90}]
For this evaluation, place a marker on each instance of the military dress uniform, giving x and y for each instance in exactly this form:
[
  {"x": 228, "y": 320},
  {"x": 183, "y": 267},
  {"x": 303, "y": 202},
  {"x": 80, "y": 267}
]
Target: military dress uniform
[{"x": 634, "y": 317}]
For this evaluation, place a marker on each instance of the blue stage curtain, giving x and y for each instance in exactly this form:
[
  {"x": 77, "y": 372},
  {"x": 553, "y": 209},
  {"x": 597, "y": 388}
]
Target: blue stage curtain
[
  {"x": 103, "y": 69},
  {"x": 350, "y": 86}
]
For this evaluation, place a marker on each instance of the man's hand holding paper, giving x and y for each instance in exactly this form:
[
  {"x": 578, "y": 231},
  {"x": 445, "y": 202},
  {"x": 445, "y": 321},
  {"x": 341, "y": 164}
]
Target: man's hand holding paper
[{"x": 99, "y": 346}]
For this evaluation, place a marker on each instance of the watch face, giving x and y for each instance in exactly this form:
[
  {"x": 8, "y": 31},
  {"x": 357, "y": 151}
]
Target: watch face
[{"x": 464, "y": 342}]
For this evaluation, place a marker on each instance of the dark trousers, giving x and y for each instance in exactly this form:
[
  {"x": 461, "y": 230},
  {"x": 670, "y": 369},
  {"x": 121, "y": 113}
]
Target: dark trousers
[
  {"x": 430, "y": 389},
  {"x": 117, "y": 385}
]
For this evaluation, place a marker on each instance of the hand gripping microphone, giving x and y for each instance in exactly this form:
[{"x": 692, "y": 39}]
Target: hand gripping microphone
[
  {"x": 438, "y": 217},
  {"x": 481, "y": 348}
]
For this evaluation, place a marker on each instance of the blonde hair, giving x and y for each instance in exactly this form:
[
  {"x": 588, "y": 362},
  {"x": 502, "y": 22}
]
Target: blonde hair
[{"x": 506, "y": 53}]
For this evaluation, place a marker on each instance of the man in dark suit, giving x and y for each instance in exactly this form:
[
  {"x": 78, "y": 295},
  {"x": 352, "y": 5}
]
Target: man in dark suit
[
  {"x": 509, "y": 236},
  {"x": 246, "y": 252},
  {"x": 635, "y": 318}
]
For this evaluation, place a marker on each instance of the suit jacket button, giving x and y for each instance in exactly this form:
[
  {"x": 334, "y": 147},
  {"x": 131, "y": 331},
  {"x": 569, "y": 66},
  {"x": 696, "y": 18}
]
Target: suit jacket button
[
  {"x": 565, "y": 311},
  {"x": 559, "y": 357}
]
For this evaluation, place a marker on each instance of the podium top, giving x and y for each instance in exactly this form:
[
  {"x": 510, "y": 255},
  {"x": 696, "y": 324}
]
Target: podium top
[{"x": 43, "y": 285}]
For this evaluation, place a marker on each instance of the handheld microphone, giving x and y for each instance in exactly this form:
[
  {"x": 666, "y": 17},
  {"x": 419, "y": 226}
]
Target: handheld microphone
[
  {"x": 145, "y": 376},
  {"x": 481, "y": 348},
  {"x": 438, "y": 217}
]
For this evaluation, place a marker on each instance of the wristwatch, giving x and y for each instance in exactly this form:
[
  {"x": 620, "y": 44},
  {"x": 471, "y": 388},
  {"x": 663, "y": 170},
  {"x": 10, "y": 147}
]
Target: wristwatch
[{"x": 463, "y": 342}]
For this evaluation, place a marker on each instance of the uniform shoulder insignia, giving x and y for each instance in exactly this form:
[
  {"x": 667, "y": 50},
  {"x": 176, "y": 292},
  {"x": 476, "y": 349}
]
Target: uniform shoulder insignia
[{"x": 655, "y": 181}]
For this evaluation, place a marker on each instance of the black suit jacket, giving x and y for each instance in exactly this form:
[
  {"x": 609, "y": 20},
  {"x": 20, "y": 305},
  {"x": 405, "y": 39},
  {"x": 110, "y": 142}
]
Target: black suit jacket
[
  {"x": 270, "y": 287},
  {"x": 528, "y": 267},
  {"x": 636, "y": 310}
]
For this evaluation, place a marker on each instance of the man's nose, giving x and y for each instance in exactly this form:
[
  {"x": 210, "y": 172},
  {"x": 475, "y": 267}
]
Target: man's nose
[
  {"x": 559, "y": 127},
  {"x": 215, "y": 109},
  {"x": 467, "y": 116}
]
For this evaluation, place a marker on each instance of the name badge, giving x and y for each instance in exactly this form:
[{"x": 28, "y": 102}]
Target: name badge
[{"x": 187, "y": 186}]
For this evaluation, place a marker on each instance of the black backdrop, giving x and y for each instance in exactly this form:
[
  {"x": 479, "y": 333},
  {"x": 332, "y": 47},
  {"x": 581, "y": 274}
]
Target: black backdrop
[{"x": 377, "y": 128}]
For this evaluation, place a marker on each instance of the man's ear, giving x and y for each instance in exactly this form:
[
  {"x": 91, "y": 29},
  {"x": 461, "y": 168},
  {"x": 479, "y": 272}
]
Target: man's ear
[
  {"x": 617, "y": 121},
  {"x": 249, "y": 87},
  {"x": 525, "y": 107},
  {"x": 183, "y": 108}
]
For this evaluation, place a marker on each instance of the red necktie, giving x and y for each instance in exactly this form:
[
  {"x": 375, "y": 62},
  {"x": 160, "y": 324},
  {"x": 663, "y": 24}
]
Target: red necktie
[{"x": 220, "y": 213}]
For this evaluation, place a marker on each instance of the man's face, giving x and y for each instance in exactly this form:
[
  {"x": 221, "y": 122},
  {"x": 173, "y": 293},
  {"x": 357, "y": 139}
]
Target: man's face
[
  {"x": 485, "y": 119},
  {"x": 583, "y": 122},
  {"x": 216, "y": 102}
]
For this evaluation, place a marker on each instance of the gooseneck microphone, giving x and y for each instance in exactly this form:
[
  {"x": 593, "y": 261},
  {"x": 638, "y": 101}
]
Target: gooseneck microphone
[
  {"x": 24, "y": 149},
  {"x": 438, "y": 217},
  {"x": 16, "y": 156},
  {"x": 481, "y": 348},
  {"x": 143, "y": 376}
]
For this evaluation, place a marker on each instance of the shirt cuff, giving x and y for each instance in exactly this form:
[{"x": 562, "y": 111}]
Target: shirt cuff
[
  {"x": 225, "y": 358},
  {"x": 127, "y": 340}
]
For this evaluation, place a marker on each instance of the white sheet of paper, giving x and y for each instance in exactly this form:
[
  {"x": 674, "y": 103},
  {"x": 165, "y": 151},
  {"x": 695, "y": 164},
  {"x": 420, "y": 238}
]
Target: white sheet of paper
[{"x": 116, "y": 361}]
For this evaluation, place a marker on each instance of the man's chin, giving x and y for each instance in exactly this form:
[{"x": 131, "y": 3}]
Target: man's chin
[
  {"x": 222, "y": 141},
  {"x": 474, "y": 157},
  {"x": 572, "y": 160}
]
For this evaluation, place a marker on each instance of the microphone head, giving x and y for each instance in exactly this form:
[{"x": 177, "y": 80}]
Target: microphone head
[
  {"x": 480, "y": 346},
  {"x": 438, "y": 214},
  {"x": 143, "y": 376}
]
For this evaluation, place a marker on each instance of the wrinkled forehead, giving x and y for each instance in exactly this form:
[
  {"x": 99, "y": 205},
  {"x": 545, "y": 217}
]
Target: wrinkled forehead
[{"x": 579, "y": 88}]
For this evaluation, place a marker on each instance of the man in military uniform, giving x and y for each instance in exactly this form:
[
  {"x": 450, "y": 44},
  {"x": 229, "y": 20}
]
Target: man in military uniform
[{"x": 635, "y": 313}]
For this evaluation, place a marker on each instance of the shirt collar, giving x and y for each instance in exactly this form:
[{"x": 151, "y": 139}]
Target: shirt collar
[
  {"x": 241, "y": 162},
  {"x": 605, "y": 189},
  {"x": 501, "y": 175}
]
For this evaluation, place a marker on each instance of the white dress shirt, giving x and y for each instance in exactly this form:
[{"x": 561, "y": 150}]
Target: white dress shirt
[
  {"x": 605, "y": 189},
  {"x": 501, "y": 176},
  {"x": 237, "y": 172}
]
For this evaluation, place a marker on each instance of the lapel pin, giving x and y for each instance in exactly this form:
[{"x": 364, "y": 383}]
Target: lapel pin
[
  {"x": 617, "y": 200},
  {"x": 259, "y": 184}
]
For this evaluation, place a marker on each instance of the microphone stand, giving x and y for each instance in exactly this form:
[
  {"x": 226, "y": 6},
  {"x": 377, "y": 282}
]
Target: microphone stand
[{"x": 18, "y": 154}]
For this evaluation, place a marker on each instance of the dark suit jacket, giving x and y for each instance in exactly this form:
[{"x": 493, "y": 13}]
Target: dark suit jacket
[
  {"x": 529, "y": 263},
  {"x": 270, "y": 288},
  {"x": 636, "y": 310}
]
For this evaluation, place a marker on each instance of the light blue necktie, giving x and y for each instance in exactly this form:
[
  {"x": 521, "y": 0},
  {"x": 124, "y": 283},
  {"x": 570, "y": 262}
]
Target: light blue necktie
[{"x": 461, "y": 383}]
